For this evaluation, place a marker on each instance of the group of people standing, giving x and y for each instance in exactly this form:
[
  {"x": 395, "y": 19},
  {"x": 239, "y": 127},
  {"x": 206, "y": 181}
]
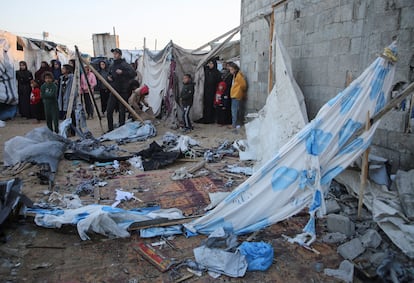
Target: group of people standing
[
  {"x": 223, "y": 93},
  {"x": 46, "y": 95}
]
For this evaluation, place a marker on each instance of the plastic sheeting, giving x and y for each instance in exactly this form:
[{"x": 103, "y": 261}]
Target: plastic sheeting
[
  {"x": 131, "y": 132},
  {"x": 40, "y": 145},
  {"x": 105, "y": 220},
  {"x": 8, "y": 89},
  {"x": 284, "y": 113},
  {"x": 298, "y": 175}
]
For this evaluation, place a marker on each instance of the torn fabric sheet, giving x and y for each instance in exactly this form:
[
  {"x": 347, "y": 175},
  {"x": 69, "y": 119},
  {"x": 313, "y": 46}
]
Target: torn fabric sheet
[
  {"x": 284, "y": 113},
  {"x": 40, "y": 145},
  {"x": 101, "y": 219},
  {"x": 299, "y": 174},
  {"x": 131, "y": 132}
]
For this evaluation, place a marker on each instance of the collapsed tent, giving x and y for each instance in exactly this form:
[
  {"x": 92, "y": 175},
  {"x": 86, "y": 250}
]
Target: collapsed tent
[
  {"x": 300, "y": 173},
  {"x": 284, "y": 113}
]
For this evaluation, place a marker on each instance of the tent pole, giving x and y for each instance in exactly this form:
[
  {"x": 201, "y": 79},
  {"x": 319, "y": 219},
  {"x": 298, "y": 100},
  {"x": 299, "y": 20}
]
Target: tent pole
[
  {"x": 92, "y": 98},
  {"x": 364, "y": 171},
  {"x": 113, "y": 91}
]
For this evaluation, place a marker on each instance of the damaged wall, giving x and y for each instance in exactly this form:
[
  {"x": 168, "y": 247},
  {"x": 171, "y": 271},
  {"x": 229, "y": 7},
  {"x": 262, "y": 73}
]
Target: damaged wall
[{"x": 330, "y": 43}]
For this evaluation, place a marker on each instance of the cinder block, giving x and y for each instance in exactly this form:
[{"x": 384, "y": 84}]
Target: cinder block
[
  {"x": 394, "y": 121},
  {"x": 340, "y": 223},
  {"x": 332, "y": 206},
  {"x": 351, "y": 249},
  {"x": 371, "y": 239}
]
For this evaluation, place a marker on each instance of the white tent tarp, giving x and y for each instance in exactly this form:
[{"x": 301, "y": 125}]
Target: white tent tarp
[
  {"x": 8, "y": 89},
  {"x": 284, "y": 113},
  {"x": 299, "y": 174}
]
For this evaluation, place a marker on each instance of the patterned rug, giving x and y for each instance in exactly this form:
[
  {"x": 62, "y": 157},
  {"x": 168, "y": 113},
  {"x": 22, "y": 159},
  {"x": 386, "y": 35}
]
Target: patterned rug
[{"x": 156, "y": 187}]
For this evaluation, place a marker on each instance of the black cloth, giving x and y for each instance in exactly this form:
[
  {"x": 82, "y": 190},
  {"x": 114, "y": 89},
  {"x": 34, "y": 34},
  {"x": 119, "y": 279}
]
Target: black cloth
[
  {"x": 103, "y": 90},
  {"x": 154, "y": 157},
  {"x": 24, "y": 90},
  {"x": 212, "y": 78}
]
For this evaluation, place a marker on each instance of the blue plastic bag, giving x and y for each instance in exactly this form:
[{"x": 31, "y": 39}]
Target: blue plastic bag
[{"x": 259, "y": 255}]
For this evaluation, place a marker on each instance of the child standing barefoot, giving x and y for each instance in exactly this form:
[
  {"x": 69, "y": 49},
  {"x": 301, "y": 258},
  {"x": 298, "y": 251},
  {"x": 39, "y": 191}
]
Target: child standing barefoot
[{"x": 48, "y": 93}]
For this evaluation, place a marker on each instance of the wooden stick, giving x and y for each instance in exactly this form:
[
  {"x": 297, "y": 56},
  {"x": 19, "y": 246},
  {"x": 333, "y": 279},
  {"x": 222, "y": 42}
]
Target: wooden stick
[
  {"x": 91, "y": 97},
  {"x": 364, "y": 171},
  {"x": 397, "y": 100},
  {"x": 196, "y": 167},
  {"x": 160, "y": 222},
  {"x": 75, "y": 83},
  {"x": 112, "y": 90}
]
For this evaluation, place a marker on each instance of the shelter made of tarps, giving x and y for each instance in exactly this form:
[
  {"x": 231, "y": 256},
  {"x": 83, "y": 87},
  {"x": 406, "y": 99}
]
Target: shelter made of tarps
[
  {"x": 8, "y": 88},
  {"x": 284, "y": 113},
  {"x": 163, "y": 71},
  {"x": 297, "y": 177},
  {"x": 34, "y": 51}
]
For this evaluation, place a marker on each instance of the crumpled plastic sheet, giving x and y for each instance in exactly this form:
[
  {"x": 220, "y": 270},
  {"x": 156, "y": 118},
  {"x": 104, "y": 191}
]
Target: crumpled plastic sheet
[
  {"x": 391, "y": 270},
  {"x": 101, "y": 219},
  {"x": 220, "y": 261},
  {"x": 161, "y": 231},
  {"x": 219, "y": 254},
  {"x": 183, "y": 144},
  {"x": 248, "y": 171},
  {"x": 223, "y": 239},
  {"x": 40, "y": 145},
  {"x": 259, "y": 255},
  {"x": 131, "y": 132}
]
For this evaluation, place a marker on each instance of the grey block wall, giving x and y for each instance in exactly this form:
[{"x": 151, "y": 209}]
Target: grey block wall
[{"x": 328, "y": 41}]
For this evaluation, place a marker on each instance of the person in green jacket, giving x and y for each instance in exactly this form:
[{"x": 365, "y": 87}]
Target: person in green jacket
[{"x": 48, "y": 93}]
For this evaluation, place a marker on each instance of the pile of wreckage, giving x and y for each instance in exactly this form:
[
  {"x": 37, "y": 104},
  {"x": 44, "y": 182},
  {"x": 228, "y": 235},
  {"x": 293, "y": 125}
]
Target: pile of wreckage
[{"x": 300, "y": 166}]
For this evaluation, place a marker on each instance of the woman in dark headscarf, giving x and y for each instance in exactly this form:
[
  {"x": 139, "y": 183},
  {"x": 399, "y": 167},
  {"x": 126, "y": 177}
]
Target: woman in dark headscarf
[
  {"x": 212, "y": 78},
  {"x": 44, "y": 67},
  {"x": 24, "y": 77}
]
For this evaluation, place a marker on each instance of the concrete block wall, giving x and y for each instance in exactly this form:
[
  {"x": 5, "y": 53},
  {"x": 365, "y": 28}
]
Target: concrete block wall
[{"x": 328, "y": 42}]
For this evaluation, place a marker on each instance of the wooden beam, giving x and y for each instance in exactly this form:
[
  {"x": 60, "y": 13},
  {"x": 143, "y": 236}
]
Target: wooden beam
[
  {"x": 112, "y": 90},
  {"x": 364, "y": 170}
]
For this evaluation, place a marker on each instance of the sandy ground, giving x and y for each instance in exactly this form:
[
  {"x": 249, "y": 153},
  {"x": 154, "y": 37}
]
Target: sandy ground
[{"x": 30, "y": 253}]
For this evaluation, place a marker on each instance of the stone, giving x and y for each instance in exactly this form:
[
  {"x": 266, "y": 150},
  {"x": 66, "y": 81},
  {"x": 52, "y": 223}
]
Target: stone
[
  {"x": 332, "y": 206},
  {"x": 340, "y": 223},
  {"x": 371, "y": 239},
  {"x": 352, "y": 249}
]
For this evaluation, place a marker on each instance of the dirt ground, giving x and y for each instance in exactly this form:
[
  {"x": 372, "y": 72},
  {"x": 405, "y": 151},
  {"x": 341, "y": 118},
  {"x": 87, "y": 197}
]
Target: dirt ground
[{"x": 29, "y": 253}]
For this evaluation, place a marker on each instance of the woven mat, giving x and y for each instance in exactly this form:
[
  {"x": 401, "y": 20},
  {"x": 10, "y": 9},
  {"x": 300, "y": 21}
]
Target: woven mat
[{"x": 156, "y": 187}]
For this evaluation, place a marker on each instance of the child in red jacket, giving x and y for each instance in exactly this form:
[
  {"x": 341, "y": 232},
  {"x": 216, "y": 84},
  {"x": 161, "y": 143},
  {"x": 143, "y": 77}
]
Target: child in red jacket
[{"x": 36, "y": 105}]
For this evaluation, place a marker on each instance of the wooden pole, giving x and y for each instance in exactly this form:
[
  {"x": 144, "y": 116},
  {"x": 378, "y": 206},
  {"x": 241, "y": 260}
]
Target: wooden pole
[
  {"x": 113, "y": 91},
  {"x": 91, "y": 97},
  {"x": 75, "y": 83},
  {"x": 364, "y": 171},
  {"x": 271, "y": 28}
]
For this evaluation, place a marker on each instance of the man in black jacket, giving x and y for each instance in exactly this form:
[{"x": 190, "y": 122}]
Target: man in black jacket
[{"x": 120, "y": 74}]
